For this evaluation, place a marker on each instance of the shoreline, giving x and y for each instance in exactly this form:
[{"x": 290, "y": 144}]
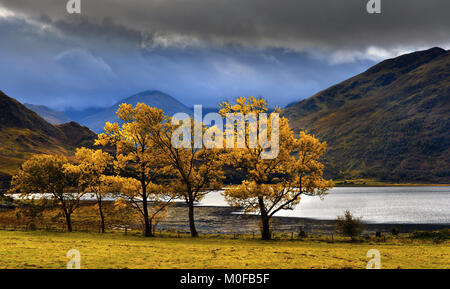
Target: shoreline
[
  {"x": 224, "y": 220},
  {"x": 380, "y": 184}
]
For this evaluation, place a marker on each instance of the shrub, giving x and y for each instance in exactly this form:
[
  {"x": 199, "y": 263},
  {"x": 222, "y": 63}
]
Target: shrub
[
  {"x": 394, "y": 231},
  {"x": 348, "y": 225},
  {"x": 435, "y": 235}
]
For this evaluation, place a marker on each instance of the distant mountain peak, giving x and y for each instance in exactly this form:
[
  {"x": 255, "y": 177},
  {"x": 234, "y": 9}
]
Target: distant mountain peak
[
  {"x": 149, "y": 92},
  {"x": 50, "y": 115},
  {"x": 154, "y": 98},
  {"x": 149, "y": 95}
]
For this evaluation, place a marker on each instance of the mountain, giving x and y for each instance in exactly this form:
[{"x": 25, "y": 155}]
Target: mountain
[
  {"x": 24, "y": 133},
  {"x": 154, "y": 98},
  {"x": 50, "y": 115},
  {"x": 77, "y": 135},
  {"x": 390, "y": 122},
  {"x": 78, "y": 115}
]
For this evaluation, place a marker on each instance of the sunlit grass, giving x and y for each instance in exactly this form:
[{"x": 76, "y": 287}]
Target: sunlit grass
[{"x": 114, "y": 250}]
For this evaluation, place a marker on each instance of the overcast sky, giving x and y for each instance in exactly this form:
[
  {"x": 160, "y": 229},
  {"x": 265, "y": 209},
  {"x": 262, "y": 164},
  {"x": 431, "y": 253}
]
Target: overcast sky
[{"x": 202, "y": 51}]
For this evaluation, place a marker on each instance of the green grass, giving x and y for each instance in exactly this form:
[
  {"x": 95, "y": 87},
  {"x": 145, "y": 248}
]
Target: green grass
[{"x": 114, "y": 250}]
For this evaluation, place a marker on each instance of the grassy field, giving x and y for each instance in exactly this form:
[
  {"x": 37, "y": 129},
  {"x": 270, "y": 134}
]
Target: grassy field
[{"x": 114, "y": 250}]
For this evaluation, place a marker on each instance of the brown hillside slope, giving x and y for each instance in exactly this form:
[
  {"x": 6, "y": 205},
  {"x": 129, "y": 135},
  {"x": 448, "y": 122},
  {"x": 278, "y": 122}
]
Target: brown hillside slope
[
  {"x": 24, "y": 133},
  {"x": 390, "y": 122}
]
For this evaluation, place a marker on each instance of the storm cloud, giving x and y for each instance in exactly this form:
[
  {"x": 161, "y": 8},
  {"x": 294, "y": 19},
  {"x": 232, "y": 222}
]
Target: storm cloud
[
  {"x": 329, "y": 24},
  {"x": 200, "y": 50}
]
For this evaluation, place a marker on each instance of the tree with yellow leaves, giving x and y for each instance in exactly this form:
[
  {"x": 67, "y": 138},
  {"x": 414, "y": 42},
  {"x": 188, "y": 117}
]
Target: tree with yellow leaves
[
  {"x": 188, "y": 147},
  {"x": 137, "y": 157},
  {"x": 272, "y": 183},
  {"x": 91, "y": 166},
  {"x": 47, "y": 175}
]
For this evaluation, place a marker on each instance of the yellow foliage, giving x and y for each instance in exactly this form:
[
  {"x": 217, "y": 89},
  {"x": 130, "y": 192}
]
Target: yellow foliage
[
  {"x": 274, "y": 184},
  {"x": 47, "y": 175},
  {"x": 138, "y": 157}
]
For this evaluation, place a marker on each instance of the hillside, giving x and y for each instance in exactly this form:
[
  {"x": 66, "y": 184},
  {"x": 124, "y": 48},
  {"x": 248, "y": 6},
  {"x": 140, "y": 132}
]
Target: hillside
[
  {"x": 23, "y": 133},
  {"x": 77, "y": 135},
  {"x": 390, "y": 122},
  {"x": 48, "y": 114},
  {"x": 154, "y": 98}
]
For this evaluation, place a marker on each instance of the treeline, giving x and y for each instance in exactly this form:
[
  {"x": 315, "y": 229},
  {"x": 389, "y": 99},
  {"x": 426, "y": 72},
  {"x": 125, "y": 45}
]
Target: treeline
[{"x": 146, "y": 169}]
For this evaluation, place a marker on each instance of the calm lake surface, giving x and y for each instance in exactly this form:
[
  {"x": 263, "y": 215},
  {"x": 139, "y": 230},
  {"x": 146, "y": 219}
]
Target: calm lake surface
[{"x": 420, "y": 205}]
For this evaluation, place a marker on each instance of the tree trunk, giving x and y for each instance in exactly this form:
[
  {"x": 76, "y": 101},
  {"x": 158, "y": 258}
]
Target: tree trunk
[
  {"x": 191, "y": 219},
  {"x": 102, "y": 217},
  {"x": 265, "y": 220},
  {"x": 147, "y": 225},
  {"x": 68, "y": 221},
  {"x": 150, "y": 221},
  {"x": 265, "y": 232}
]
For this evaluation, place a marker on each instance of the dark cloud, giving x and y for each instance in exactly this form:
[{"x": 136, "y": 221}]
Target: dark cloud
[
  {"x": 326, "y": 24},
  {"x": 202, "y": 51},
  {"x": 44, "y": 66}
]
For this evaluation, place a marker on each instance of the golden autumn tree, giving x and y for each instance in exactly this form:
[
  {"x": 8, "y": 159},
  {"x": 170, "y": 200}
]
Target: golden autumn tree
[
  {"x": 194, "y": 155},
  {"x": 91, "y": 166},
  {"x": 279, "y": 168},
  {"x": 47, "y": 175},
  {"x": 138, "y": 157}
]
